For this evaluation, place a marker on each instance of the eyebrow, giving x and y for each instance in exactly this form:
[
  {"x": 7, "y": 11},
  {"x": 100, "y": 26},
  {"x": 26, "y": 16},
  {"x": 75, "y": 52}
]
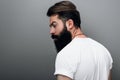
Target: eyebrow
[{"x": 52, "y": 23}]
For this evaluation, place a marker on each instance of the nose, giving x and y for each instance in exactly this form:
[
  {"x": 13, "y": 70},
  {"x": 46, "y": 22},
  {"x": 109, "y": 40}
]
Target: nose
[{"x": 52, "y": 30}]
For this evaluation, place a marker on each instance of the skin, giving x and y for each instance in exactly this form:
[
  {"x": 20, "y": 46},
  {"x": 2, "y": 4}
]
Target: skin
[
  {"x": 56, "y": 26},
  {"x": 110, "y": 75}
]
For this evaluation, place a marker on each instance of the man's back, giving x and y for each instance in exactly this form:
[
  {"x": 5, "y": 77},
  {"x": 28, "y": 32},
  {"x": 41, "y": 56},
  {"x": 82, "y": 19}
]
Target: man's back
[{"x": 84, "y": 59}]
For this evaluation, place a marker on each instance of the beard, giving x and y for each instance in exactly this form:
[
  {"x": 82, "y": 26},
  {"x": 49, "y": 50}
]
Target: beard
[{"x": 62, "y": 39}]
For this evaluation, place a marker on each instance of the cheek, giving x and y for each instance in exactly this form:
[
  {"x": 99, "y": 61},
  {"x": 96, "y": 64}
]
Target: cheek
[{"x": 59, "y": 29}]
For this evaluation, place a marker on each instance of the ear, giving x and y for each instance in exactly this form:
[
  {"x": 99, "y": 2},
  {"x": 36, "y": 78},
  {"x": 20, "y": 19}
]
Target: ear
[{"x": 69, "y": 24}]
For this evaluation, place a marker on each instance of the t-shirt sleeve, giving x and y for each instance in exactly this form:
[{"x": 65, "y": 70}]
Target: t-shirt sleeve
[
  {"x": 66, "y": 65},
  {"x": 110, "y": 62}
]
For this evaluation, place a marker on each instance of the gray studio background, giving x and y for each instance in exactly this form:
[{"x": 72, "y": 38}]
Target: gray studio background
[{"x": 26, "y": 49}]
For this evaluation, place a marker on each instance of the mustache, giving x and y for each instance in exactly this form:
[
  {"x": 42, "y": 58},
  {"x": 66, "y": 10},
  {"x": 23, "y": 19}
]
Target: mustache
[{"x": 54, "y": 37}]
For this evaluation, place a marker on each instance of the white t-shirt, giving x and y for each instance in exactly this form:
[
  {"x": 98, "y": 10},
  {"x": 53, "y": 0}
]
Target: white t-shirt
[{"x": 84, "y": 59}]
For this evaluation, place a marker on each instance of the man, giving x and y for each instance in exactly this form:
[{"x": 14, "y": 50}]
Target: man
[{"x": 79, "y": 57}]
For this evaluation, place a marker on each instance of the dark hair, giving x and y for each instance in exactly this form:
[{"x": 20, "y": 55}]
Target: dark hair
[{"x": 65, "y": 10}]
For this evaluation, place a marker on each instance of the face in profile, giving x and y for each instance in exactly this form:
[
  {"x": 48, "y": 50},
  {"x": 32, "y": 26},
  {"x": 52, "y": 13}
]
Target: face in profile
[{"x": 59, "y": 33}]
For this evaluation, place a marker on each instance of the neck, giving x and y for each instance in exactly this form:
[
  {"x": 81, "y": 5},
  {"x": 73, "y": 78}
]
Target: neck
[{"x": 77, "y": 33}]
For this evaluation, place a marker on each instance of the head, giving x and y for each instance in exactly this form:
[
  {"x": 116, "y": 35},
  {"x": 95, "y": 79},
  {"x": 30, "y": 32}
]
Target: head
[{"x": 63, "y": 17}]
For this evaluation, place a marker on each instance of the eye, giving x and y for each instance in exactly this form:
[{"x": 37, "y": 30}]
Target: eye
[{"x": 54, "y": 24}]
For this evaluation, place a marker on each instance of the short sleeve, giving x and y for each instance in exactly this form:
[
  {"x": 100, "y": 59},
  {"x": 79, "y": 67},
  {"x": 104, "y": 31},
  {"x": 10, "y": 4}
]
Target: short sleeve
[
  {"x": 110, "y": 62},
  {"x": 66, "y": 64}
]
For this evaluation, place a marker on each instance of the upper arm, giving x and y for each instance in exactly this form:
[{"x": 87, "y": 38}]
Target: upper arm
[
  {"x": 65, "y": 65},
  {"x": 62, "y": 77},
  {"x": 110, "y": 75}
]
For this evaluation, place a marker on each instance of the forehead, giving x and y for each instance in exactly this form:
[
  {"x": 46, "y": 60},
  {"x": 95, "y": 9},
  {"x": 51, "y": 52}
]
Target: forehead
[{"x": 54, "y": 18}]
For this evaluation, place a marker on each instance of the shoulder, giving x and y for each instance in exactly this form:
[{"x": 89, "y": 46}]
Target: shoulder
[{"x": 70, "y": 49}]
